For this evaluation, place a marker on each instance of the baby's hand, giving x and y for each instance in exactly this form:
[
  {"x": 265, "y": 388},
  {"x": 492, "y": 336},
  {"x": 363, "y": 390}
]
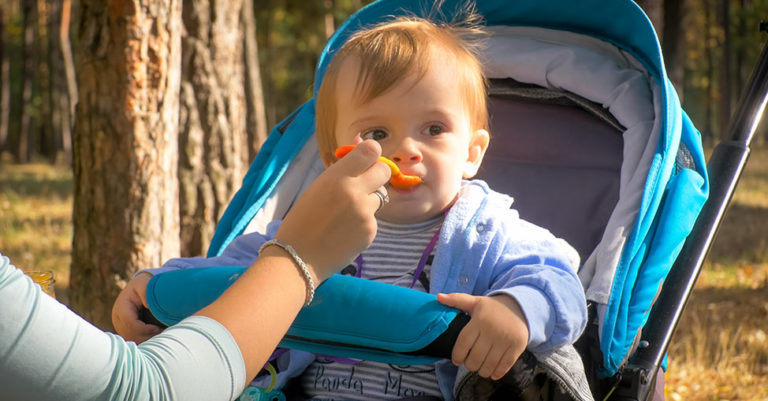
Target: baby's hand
[{"x": 495, "y": 336}]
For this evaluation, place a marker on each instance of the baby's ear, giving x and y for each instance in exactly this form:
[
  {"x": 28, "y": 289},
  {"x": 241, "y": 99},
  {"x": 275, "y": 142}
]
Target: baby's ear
[{"x": 478, "y": 144}]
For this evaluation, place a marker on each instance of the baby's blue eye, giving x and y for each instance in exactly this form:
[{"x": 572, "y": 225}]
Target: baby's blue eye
[{"x": 375, "y": 134}]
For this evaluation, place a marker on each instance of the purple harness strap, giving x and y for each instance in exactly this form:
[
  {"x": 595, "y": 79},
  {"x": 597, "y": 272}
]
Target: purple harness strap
[{"x": 419, "y": 268}]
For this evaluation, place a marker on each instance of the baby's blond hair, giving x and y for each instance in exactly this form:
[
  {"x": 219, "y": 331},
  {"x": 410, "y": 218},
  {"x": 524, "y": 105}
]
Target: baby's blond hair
[{"x": 393, "y": 50}]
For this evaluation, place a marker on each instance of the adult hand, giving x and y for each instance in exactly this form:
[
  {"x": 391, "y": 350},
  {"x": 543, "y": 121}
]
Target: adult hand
[
  {"x": 334, "y": 220},
  {"x": 125, "y": 311},
  {"x": 328, "y": 226}
]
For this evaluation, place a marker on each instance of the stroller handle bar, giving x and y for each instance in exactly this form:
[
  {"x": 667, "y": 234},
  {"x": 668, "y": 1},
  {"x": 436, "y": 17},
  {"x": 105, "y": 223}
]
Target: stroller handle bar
[{"x": 724, "y": 168}]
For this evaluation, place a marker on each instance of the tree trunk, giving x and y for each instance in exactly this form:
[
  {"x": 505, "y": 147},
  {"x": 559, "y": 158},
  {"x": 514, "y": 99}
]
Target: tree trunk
[
  {"x": 741, "y": 73},
  {"x": 43, "y": 140},
  {"x": 213, "y": 148},
  {"x": 55, "y": 73},
  {"x": 654, "y": 9},
  {"x": 724, "y": 84},
  {"x": 69, "y": 101},
  {"x": 125, "y": 145},
  {"x": 28, "y": 60},
  {"x": 673, "y": 42},
  {"x": 5, "y": 84},
  {"x": 254, "y": 95},
  {"x": 708, "y": 129},
  {"x": 330, "y": 24},
  {"x": 270, "y": 104}
]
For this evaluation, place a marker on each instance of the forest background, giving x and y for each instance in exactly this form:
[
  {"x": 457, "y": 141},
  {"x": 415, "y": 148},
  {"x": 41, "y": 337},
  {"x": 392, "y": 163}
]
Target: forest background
[{"x": 101, "y": 100}]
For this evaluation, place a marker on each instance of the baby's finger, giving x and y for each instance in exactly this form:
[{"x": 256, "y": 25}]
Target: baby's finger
[
  {"x": 464, "y": 302},
  {"x": 505, "y": 363},
  {"x": 145, "y": 331},
  {"x": 463, "y": 345},
  {"x": 491, "y": 362},
  {"x": 477, "y": 355}
]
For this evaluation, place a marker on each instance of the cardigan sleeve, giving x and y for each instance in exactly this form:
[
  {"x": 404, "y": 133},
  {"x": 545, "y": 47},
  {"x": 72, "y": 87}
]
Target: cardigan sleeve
[
  {"x": 242, "y": 251},
  {"x": 540, "y": 273}
]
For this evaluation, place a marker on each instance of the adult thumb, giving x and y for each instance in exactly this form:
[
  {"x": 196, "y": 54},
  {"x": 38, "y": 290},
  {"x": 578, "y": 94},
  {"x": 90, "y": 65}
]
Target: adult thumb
[{"x": 464, "y": 302}]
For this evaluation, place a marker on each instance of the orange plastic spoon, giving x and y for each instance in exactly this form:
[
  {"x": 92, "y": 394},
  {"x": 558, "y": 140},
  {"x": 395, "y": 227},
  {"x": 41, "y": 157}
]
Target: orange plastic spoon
[{"x": 398, "y": 179}]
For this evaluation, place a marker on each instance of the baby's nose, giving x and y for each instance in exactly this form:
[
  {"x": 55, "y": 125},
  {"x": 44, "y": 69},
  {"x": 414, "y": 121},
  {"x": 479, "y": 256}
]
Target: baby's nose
[{"x": 406, "y": 152}]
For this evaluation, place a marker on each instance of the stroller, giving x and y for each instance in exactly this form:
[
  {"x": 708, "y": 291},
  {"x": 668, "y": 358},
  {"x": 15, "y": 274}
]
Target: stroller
[{"x": 588, "y": 137}]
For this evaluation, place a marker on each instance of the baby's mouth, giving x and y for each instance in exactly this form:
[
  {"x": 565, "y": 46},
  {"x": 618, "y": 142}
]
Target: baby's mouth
[{"x": 405, "y": 182}]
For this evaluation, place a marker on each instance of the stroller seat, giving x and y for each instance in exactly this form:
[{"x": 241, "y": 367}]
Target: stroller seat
[{"x": 587, "y": 135}]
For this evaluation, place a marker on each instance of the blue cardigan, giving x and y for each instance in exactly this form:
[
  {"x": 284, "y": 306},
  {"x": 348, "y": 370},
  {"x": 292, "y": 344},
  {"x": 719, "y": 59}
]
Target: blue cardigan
[{"x": 484, "y": 249}]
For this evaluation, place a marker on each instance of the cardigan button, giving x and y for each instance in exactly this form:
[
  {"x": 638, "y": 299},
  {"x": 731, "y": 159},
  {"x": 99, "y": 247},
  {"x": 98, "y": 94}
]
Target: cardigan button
[
  {"x": 480, "y": 228},
  {"x": 463, "y": 279}
]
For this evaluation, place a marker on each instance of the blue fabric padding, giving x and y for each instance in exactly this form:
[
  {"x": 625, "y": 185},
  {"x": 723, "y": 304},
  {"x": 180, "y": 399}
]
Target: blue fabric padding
[
  {"x": 365, "y": 313},
  {"x": 632, "y": 297},
  {"x": 615, "y": 335},
  {"x": 284, "y": 143},
  {"x": 377, "y": 321},
  {"x": 386, "y": 316},
  {"x": 178, "y": 294},
  {"x": 620, "y": 22}
]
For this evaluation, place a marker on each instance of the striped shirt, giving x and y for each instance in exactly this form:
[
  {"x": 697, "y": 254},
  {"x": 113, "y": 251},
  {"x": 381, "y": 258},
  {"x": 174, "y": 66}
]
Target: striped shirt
[{"x": 392, "y": 258}]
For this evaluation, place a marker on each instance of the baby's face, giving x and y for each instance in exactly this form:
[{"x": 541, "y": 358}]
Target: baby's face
[{"x": 424, "y": 127}]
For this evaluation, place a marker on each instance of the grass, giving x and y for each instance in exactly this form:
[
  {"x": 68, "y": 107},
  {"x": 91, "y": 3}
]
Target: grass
[
  {"x": 720, "y": 350},
  {"x": 36, "y": 219}
]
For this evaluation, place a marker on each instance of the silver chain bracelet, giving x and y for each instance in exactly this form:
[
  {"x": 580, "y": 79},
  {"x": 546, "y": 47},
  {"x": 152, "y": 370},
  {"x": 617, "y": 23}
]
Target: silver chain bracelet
[{"x": 300, "y": 262}]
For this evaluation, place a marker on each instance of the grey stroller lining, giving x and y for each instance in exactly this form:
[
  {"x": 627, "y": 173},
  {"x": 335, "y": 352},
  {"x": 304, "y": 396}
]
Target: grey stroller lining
[
  {"x": 534, "y": 93},
  {"x": 558, "y": 158},
  {"x": 607, "y": 76}
]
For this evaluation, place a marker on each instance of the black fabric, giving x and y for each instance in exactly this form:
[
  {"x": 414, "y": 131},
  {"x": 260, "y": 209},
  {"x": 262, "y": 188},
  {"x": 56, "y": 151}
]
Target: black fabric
[
  {"x": 522, "y": 382},
  {"x": 522, "y": 374},
  {"x": 146, "y": 316},
  {"x": 442, "y": 346}
]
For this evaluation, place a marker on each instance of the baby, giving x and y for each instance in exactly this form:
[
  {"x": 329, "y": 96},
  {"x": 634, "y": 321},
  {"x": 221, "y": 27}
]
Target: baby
[{"x": 418, "y": 89}]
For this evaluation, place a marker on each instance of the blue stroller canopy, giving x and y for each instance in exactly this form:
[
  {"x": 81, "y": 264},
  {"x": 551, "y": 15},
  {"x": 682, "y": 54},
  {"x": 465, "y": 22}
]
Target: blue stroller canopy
[{"x": 663, "y": 181}]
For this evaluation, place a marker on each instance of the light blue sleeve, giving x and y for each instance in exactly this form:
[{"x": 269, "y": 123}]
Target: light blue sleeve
[
  {"x": 242, "y": 251},
  {"x": 47, "y": 352},
  {"x": 540, "y": 273}
]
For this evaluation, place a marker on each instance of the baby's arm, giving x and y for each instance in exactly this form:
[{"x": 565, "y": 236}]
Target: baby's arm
[
  {"x": 552, "y": 300},
  {"x": 541, "y": 308},
  {"x": 532, "y": 295},
  {"x": 495, "y": 336}
]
